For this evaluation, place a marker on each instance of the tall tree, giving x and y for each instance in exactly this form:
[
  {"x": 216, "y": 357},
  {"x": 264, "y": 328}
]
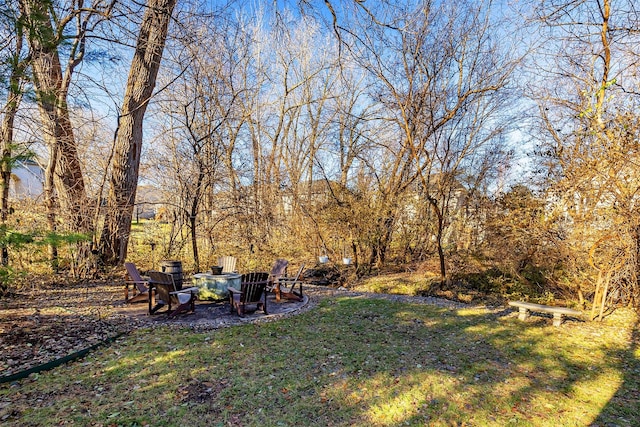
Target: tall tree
[
  {"x": 46, "y": 32},
  {"x": 587, "y": 97},
  {"x": 201, "y": 105},
  {"x": 15, "y": 63},
  {"x": 129, "y": 136},
  {"x": 439, "y": 72},
  {"x": 47, "y": 29}
]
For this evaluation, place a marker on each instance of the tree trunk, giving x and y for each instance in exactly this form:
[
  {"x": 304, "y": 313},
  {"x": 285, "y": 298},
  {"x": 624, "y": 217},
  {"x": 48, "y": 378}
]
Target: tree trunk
[
  {"x": 634, "y": 300},
  {"x": 51, "y": 95},
  {"x": 14, "y": 96},
  {"x": 384, "y": 230},
  {"x": 193, "y": 214},
  {"x": 434, "y": 205},
  {"x": 126, "y": 161},
  {"x": 50, "y": 204},
  {"x": 194, "y": 242}
]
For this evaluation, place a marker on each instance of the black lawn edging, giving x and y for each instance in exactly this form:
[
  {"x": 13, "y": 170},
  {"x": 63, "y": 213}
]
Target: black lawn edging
[{"x": 57, "y": 362}]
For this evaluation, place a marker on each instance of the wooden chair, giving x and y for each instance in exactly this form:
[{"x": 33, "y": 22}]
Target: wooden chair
[
  {"x": 278, "y": 270},
  {"x": 287, "y": 286},
  {"x": 252, "y": 291},
  {"x": 228, "y": 264},
  {"x": 139, "y": 285},
  {"x": 166, "y": 294}
]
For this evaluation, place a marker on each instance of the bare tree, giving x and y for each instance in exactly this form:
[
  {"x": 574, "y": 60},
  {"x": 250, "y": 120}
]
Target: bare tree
[
  {"x": 203, "y": 111},
  {"x": 287, "y": 110},
  {"x": 587, "y": 103},
  {"x": 47, "y": 27},
  {"x": 15, "y": 58},
  {"x": 128, "y": 139},
  {"x": 46, "y": 32},
  {"x": 442, "y": 77}
]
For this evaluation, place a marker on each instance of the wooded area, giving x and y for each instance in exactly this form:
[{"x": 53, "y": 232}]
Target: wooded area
[{"x": 475, "y": 138}]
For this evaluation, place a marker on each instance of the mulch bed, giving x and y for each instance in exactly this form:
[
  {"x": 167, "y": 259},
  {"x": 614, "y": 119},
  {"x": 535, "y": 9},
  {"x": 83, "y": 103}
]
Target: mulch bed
[{"x": 49, "y": 321}]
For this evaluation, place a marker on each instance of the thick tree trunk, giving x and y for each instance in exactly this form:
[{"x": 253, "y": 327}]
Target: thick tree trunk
[
  {"x": 126, "y": 161},
  {"x": 51, "y": 94}
]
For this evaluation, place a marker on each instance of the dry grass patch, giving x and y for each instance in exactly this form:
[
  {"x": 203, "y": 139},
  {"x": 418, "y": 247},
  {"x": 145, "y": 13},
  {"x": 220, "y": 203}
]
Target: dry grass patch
[{"x": 397, "y": 284}]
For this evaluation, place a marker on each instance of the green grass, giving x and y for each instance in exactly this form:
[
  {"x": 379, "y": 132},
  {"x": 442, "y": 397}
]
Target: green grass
[{"x": 349, "y": 362}]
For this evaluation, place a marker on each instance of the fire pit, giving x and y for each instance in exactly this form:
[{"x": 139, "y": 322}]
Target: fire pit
[{"x": 215, "y": 287}]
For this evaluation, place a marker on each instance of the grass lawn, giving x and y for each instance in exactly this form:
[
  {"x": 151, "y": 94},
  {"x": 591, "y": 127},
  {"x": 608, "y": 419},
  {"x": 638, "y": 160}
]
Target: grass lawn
[{"x": 349, "y": 362}]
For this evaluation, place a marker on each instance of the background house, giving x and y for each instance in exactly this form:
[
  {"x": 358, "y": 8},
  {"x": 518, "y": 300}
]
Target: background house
[{"x": 27, "y": 180}]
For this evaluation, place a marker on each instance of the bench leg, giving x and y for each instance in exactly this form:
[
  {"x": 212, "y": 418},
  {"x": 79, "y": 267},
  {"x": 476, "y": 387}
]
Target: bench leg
[
  {"x": 523, "y": 313},
  {"x": 557, "y": 319}
]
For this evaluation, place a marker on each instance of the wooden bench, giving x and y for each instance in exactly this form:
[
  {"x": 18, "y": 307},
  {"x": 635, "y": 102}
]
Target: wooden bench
[{"x": 558, "y": 312}]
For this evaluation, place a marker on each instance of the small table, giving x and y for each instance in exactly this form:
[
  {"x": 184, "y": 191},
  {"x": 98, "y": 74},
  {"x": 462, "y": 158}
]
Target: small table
[{"x": 215, "y": 286}]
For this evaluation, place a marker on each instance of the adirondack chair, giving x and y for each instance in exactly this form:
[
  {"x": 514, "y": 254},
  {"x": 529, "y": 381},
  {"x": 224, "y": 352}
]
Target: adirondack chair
[
  {"x": 138, "y": 284},
  {"x": 228, "y": 264},
  {"x": 166, "y": 294},
  {"x": 252, "y": 291},
  {"x": 288, "y": 285},
  {"x": 278, "y": 270}
]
